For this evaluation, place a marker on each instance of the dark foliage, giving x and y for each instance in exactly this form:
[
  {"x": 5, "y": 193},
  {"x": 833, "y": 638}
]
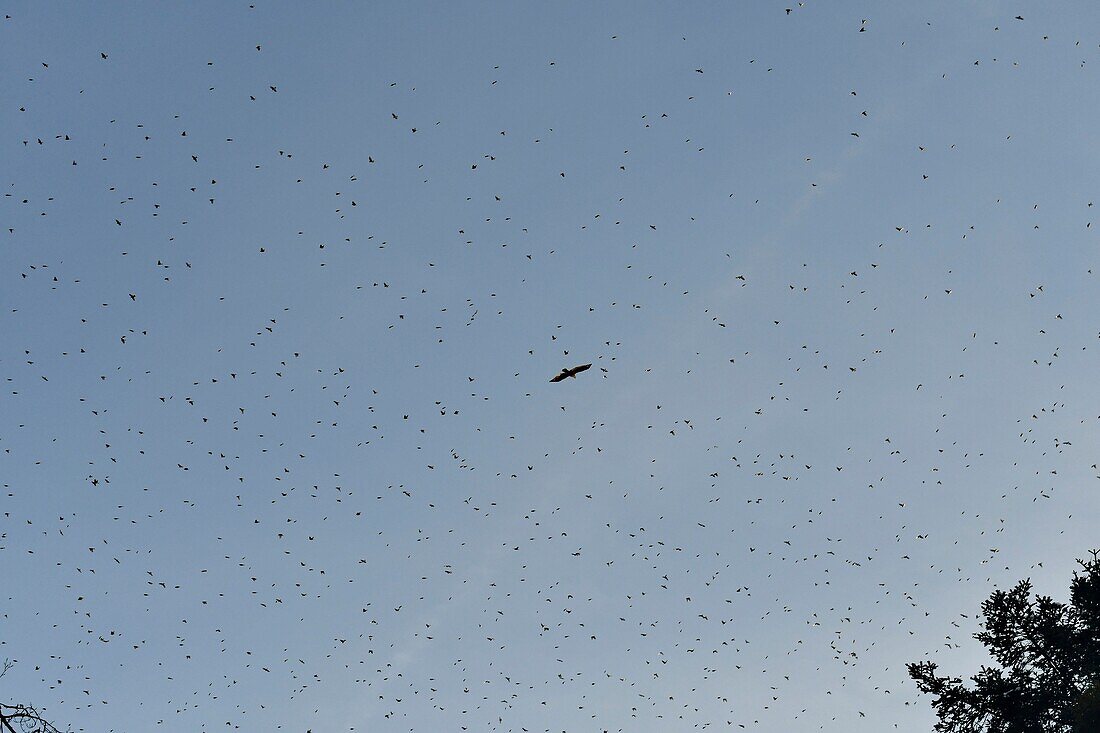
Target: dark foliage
[{"x": 1047, "y": 673}]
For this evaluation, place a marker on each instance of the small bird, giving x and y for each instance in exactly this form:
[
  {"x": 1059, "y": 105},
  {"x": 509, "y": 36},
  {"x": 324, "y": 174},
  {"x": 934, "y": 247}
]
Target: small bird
[{"x": 570, "y": 372}]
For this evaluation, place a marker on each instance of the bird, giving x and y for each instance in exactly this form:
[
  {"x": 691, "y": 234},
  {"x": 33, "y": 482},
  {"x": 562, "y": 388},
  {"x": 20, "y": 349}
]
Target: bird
[
  {"x": 570, "y": 372},
  {"x": 269, "y": 482}
]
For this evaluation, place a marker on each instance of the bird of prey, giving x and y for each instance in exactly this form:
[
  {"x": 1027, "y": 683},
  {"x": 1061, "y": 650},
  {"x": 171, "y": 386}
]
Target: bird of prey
[{"x": 570, "y": 372}]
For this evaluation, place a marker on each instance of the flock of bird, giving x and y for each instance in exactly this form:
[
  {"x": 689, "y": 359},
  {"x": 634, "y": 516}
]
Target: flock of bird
[{"x": 277, "y": 448}]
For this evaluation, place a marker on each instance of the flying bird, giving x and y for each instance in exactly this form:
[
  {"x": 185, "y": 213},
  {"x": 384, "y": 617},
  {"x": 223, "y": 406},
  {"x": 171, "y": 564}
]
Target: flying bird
[
  {"x": 570, "y": 372},
  {"x": 258, "y": 428}
]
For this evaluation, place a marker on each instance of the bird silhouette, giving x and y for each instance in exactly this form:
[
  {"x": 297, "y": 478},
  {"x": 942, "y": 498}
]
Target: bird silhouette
[
  {"x": 277, "y": 301},
  {"x": 570, "y": 372}
]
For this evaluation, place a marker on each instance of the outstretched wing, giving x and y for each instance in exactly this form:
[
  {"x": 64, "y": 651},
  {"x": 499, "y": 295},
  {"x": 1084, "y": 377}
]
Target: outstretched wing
[{"x": 570, "y": 372}]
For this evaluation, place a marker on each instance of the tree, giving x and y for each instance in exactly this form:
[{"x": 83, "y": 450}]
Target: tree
[
  {"x": 18, "y": 718},
  {"x": 1047, "y": 673}
]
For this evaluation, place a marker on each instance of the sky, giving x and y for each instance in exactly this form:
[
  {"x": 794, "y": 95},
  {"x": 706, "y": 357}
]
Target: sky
[{"x": 282, "y": 287}]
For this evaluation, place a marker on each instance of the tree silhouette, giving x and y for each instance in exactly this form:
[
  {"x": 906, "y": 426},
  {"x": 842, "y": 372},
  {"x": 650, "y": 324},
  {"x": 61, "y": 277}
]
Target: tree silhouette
[
  {"x": 18, "y": 718},
  {"x": 1047, "y": 673}
]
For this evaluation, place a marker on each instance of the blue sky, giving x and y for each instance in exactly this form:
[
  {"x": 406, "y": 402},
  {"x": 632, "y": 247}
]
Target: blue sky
[{"x": 277, "y": 443}]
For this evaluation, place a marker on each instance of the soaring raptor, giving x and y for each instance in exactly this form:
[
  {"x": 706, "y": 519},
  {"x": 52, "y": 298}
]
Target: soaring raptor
[{"x": 570, "y": 372}]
